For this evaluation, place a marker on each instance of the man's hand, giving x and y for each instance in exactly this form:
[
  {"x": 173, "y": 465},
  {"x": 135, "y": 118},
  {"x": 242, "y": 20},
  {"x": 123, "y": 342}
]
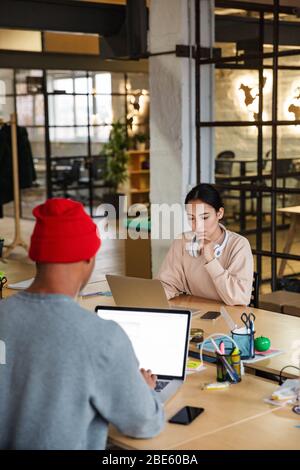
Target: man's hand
[{"x": 149, "y": 378}]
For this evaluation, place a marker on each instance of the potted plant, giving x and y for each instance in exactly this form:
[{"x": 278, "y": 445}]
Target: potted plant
[
  {"x": 115, "y": 151},
  {"x": 141, "y": 140}
]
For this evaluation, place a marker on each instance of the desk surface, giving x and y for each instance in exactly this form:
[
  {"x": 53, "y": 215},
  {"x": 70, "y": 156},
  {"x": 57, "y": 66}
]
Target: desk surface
[
  {"x": 235, "y": 418},
  {"x": 16, "y": 271},
  {"x": 223, "y": 408},
  {"x": 276, "y": 430},
  {"x": 290, "y": 210},
  {"x": 283, "y": 330}
]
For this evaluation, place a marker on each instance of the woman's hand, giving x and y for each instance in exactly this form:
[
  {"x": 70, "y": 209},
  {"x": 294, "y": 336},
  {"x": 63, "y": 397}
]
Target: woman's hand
[{"x": 208, "y": 250}]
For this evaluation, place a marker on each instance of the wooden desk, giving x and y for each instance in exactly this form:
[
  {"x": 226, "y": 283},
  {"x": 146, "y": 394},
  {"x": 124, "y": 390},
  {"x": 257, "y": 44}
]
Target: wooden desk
[
  {"x": 223, "y": 409},
  {"x": 295, "y": 222},
  {"x": 235, "y": 418},
  {"x": 16, "y": 271},
  {"x": 283, "y": 330},
  {"x": 275, "y": 430}
]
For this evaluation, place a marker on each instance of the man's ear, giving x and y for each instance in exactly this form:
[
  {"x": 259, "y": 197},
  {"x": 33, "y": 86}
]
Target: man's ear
[{"x": 92, "y": 261}]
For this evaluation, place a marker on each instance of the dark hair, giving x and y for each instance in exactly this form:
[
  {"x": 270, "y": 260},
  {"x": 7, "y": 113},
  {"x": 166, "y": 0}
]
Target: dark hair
[{"x": 206, "y": 193}]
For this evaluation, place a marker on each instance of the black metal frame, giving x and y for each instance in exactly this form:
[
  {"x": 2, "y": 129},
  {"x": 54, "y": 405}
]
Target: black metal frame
[
  {"x": 88, "y": 159},
  {"x": 248, "y": 183}
]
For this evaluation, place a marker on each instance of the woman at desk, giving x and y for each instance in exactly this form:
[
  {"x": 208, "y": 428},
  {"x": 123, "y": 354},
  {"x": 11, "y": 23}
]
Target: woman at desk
[{"x": 209, "y": 261}]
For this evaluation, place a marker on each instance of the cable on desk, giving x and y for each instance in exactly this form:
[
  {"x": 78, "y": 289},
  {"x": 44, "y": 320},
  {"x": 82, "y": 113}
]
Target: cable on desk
[{"x": 286, "y": 367}]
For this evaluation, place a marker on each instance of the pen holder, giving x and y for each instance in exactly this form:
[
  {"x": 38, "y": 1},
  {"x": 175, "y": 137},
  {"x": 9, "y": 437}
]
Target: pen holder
[
  {"x": 3, "y": 281},
  {"x": 234, "y": 361},
  {"x": 245, "y": 342}
]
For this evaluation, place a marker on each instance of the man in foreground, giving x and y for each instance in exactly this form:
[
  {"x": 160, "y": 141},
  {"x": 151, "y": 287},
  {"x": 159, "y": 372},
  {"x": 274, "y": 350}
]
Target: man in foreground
[{"x": 68, "y": 373}]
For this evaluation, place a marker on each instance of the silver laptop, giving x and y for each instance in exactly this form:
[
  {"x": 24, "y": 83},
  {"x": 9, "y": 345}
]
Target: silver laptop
[
  {"x": 139, "y": 292},
  {"x": 160, "y": 341}
]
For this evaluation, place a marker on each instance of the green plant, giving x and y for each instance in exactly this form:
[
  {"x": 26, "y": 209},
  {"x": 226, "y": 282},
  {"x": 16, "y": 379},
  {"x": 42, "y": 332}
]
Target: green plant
[
  {"x": 142, "y": 138},
  {"x": 115, "y": 150}
]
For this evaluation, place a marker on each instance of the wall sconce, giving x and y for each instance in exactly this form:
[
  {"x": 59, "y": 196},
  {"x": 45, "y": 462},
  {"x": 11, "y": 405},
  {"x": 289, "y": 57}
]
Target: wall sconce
[
  {"x": 294, "y": 106},
  {"x": 251, "y": 98},
  {"x": 137, "y": 105}
]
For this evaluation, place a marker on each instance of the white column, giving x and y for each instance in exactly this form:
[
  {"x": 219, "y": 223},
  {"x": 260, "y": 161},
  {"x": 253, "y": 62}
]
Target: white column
[
  {"x": 172, "y": 112},
  {"x": 207, "y": 103}
]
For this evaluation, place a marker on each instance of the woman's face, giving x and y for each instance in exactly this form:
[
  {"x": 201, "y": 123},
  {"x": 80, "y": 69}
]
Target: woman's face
[{"x": 203, "y": 218}]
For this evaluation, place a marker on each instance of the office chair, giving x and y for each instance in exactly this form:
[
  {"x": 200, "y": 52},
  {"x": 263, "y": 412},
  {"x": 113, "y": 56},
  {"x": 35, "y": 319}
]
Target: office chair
[
  {"x": 97, "y": 166},
  {"x": 254, "y": 301},
  {"x": 224, "y": 167},
  {"x": 66, "y": 178}
]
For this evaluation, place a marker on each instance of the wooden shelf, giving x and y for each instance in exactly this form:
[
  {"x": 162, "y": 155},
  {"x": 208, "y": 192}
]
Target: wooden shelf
[
  {"x": 139, "y": 191},
  {"x": 137, "y": 152},
  {"x": 137, "y": 184}
]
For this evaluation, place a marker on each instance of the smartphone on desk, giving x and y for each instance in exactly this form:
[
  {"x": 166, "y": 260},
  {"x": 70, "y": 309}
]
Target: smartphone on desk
[
  {"x": 210, "y": 316},
  {"x": 186, "y": 415}
]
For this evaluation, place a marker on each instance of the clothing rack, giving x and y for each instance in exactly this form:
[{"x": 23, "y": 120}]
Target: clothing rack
[{"x": 17, "y": 241}]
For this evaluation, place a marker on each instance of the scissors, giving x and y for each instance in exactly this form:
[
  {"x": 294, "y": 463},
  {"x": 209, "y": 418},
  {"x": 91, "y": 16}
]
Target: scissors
[{"x": 248, "y": 320}]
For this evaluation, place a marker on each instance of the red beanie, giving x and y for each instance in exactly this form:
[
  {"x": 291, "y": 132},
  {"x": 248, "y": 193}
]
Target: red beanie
[{"x": 63, "y": 233}]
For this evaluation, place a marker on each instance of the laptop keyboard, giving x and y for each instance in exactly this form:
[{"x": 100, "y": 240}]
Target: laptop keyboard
[{"x": 160, "y": 385}]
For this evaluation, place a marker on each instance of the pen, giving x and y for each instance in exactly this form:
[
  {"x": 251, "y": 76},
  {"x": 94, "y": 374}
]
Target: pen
[
  {"x": 91, "y": 294},
  {"x": 252, "y": 338},
  {"x": 215, "y": 346}
]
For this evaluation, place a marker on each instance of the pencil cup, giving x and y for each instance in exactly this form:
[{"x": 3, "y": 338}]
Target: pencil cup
[
  {"x": 234, "y": 360},
  {"x": 245, "y": 342},
  {"x": 229, "y": 364}
]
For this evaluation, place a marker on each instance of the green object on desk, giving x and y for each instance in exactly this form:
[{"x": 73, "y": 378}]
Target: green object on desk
[
  {"x": 262, "y": 343},
  {"x": 2, "y": 274}
]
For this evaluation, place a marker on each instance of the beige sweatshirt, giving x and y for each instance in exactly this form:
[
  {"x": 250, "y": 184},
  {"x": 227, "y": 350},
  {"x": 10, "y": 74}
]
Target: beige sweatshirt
[{"x": 227, "y": 278}]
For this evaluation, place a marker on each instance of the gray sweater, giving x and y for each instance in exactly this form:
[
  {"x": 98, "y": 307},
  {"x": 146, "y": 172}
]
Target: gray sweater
[{"x": 68, "y": 374}]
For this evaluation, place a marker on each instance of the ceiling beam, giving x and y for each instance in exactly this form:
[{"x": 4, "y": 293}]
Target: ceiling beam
[
  {"x": 63, "y": 15},
  {"x": 47, "y": 61}
]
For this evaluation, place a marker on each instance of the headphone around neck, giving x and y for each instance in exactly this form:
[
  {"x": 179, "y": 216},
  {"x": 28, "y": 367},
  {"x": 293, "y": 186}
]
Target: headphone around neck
[{"x": 194, "y": 246}]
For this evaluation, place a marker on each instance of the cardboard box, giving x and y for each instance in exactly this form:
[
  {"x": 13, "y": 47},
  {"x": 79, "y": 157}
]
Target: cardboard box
[
  {"x": 292, "y": 310},
  {"x": 138, "y": 258},
  {"x": 275, "y": 301}
]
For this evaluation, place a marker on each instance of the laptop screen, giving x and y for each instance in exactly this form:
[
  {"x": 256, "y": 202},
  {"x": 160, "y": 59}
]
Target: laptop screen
[{"x": 159, "y": 337}]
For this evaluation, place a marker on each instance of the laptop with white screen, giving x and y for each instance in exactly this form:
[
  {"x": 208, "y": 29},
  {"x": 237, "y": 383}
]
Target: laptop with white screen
[{"x": 160, "y": 340}]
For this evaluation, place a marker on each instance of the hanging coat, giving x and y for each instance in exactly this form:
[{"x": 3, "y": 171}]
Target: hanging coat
[{"x": 27, "y": 172}]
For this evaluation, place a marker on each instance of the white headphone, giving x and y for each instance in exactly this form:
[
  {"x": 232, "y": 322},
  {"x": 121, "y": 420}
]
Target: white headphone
[{"x": 195, "y": 246}]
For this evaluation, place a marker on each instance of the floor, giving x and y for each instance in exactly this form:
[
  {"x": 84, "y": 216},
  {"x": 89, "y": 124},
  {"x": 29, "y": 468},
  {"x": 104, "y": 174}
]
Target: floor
[{"x": 110, "y": 258}]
